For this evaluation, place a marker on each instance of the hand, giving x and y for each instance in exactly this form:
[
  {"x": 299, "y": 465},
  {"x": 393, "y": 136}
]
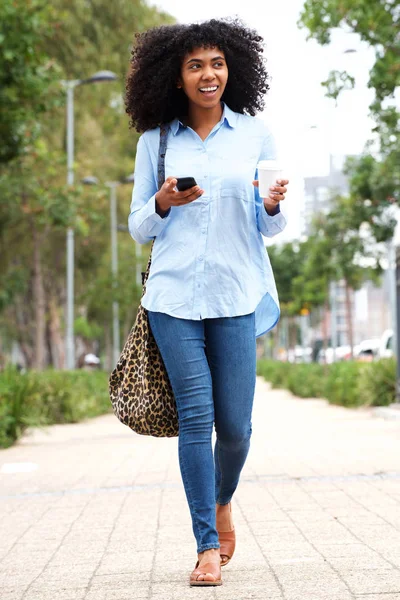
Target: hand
[
  {"x": 167, "y": 196},
  {"x": 277, "y": 194}
]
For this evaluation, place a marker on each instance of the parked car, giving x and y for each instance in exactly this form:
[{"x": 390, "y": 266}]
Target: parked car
[
  {"x": 367, "y": 350},
  {"x": 386, "y": 349},
  {"x": 341, "y": 353}
]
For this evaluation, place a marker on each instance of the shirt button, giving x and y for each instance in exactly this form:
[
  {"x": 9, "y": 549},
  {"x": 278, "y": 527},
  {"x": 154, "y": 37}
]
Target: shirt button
[
  {"x": 205, "y": 176},
  {"x": 200, "y": 258},
  {"x": 203, "y": 231}
]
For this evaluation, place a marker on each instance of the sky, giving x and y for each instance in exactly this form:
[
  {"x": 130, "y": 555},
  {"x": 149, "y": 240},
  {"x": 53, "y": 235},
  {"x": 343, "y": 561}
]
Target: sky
[{"x": 307, "y": 126}]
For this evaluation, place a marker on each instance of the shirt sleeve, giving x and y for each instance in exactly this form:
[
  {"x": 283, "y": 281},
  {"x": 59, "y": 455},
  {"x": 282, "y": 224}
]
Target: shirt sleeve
[
  {"x": 143, "y": 222},
  {"x": 268, "y": 225}
]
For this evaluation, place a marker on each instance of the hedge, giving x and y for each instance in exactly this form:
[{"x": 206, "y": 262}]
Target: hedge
[
  {"x": 346, "y": 383},
  {"x": 42, "y": 398}
]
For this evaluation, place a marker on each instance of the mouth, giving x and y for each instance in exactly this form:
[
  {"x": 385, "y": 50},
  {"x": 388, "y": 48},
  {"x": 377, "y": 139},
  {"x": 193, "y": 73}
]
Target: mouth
[{"x": 209, "y": 91}]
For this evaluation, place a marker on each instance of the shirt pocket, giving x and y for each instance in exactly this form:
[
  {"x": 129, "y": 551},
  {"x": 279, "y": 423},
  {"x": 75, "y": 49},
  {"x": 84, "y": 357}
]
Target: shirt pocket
[{"x": 235, "y": 194}]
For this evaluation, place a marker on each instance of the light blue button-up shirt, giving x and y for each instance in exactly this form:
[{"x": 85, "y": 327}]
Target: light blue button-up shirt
[{"x": 209, "y": 258}]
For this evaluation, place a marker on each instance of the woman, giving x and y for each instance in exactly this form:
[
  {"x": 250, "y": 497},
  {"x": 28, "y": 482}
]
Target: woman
[{"x": 211, "y": 290}]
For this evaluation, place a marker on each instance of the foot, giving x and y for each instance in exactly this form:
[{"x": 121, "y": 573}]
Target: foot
[
  {"x": 226, "y": 532},
  {"x": 208, "y": 556}
]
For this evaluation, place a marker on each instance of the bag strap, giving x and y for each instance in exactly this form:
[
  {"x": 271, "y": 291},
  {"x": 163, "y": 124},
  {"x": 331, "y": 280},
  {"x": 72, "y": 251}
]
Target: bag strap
[{"x": 162, "y": 149}]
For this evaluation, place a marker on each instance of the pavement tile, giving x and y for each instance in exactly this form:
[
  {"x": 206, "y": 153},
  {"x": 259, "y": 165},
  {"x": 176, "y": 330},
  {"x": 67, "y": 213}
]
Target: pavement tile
[
  {"x": 373, "y": 581},
  {"x": 307, "y": 512},
  {"x": 379, "y": 596}
]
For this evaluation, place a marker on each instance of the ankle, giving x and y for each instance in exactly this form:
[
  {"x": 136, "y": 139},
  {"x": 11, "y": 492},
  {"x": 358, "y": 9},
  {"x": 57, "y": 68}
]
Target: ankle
[
  {"x": 210, "y": 554},
  {"x": 223, "y": 507}
]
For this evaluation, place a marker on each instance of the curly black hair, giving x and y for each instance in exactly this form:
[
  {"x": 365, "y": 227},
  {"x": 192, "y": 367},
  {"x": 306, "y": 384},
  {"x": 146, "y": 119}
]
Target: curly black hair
[{"x": 152, "y": 97}]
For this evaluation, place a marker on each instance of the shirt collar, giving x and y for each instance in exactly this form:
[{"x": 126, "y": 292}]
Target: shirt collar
[{"x": 227, "y": 115}]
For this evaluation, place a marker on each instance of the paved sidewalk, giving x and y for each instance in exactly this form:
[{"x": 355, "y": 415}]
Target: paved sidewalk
[{"x": 104, "y": 517}]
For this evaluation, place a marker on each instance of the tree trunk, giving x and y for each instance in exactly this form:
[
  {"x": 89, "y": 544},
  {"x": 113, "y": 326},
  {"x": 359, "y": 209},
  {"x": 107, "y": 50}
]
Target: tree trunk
[
  {"x": 349, "y": 314},
  {"x": 275, "y": 349},
  {"x": 55, "y": 334},
  {"x": 23, "y": 332},
  {"x": 39, "y": 302},
  {"x": 108, "y": 347},
  {"x": 325, "y": 334}
]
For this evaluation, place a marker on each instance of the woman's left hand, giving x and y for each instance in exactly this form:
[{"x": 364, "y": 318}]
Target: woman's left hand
[{"x": 277, "y": 194}]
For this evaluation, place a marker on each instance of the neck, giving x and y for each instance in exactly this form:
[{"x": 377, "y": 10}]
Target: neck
[{"x": 200, "y": 117}]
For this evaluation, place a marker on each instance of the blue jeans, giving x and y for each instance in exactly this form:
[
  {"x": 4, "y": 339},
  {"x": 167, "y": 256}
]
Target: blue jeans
[{"x": 211, "y": 365}]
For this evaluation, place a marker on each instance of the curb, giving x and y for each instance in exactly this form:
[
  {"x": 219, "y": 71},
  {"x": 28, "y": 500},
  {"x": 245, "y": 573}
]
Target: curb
[{"x": 388, "y": 412}]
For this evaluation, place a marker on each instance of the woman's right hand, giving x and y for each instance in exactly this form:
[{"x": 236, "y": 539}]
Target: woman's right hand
[{"x": 167, "y": 196}]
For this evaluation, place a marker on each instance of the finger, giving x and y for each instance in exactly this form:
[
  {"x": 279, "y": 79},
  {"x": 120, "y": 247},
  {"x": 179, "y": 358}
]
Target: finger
[
  {"x": 171, "y": 183},
  {"x": 255, "y": 183},
  {"x": 192, "y": 194},
  {"x": 187, "y": 193},
  {"x": 282, "y": 181},
  {"x": 278, "y": 189},
  {"x": 188, "y": 199},
  {"x": 276, "y": 198}
]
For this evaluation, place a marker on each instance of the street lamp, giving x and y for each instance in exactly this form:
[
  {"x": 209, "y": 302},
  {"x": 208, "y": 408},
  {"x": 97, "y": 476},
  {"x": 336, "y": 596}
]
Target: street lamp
[
  {"x": 90, "y": 180},
  {"x": 70, "y": 86}
]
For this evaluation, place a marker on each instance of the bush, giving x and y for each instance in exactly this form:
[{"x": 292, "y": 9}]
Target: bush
[
  {"x": 377, "y": 386},
  {"x": 306, "y": 380},
  {"x": 274, "y": 371},
  {"x": 341, "y": 386},
  {"x": 345, "y": 383},
  {"x": 42, "y": 398}
]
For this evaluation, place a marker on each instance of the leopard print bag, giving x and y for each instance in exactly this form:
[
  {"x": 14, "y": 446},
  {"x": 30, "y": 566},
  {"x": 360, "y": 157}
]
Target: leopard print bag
[{"x": 139, "y": 387}]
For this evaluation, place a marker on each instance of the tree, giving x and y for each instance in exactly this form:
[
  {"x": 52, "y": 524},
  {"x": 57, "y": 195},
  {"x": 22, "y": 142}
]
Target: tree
[
  {"x": 376, "y": 22},
  {"x": 36, "y": 207},
  {"x": 28, "y": 74}
]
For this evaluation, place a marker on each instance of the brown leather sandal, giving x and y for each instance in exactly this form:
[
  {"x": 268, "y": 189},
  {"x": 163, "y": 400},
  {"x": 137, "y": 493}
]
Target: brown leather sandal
[
  {"x": 227, "y": 540},
  {"x": 208, "y": 568}
]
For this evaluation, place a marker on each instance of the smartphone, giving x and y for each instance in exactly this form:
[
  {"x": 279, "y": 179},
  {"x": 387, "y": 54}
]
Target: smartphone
[{"x": 185, "y": 183}]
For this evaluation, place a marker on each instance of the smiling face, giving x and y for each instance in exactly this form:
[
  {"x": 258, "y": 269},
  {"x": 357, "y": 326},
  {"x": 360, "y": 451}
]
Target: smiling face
[{"x": 203, "y": 78}]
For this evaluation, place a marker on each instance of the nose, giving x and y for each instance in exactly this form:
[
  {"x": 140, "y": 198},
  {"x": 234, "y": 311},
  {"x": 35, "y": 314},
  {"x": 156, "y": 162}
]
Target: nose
[{"x": 208, "y": 73}]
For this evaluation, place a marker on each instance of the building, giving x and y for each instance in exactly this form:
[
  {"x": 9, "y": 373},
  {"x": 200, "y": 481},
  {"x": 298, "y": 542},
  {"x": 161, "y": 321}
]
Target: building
[
  {"x": 318, "y": 191},
  {"x": 371, "y": 304}
]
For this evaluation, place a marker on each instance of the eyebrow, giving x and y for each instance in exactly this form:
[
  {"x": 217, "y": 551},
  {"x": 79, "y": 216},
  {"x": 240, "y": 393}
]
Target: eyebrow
[{"x": 199, "y": 59}]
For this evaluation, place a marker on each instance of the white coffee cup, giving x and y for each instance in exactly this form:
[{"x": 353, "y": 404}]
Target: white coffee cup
[{"x": 268, "y": 172}]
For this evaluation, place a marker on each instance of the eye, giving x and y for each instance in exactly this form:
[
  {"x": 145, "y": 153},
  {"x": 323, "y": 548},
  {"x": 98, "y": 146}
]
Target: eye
[
  {"x": 193, "y": 66},
  {"x": 218, "y": 64}
]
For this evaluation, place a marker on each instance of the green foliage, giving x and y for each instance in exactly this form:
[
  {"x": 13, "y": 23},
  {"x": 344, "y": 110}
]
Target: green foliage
[
  {"x": 27, "y": 73},
  {"x": 89, "y": 331},
  {"x": 306, "y": 380},
  {"x": 41, "y": 45},
  {"x": 377, "y": 23},
  {"x": 341, "y": 386},
  {"x": 303, "y": 270},
  {"x": 43, "y": 398},
  {"x": 337, "y": 82},
  {"x": 275, "y": 372},
  {"x": 287, "y": 262},
  {"x": 377, "y": 387},
  {"x": 303, "y": 380},
  {"x": 349, "y": 384}
]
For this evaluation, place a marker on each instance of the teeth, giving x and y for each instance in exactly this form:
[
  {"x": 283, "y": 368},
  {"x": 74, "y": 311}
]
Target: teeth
[{"x": 209, "y": 89}]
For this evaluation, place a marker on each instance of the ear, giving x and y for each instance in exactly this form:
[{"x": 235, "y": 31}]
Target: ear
[{"x": 179, "y": 84}]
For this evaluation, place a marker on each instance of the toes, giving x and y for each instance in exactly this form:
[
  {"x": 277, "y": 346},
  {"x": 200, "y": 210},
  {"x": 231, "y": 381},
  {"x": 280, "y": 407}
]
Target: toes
[{"x": 205, "y": 577}]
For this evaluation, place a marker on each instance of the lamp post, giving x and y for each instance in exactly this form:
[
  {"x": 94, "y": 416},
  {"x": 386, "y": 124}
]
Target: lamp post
[
  {"x": 112, "y": 185},
  {"x": 70, "y": 86}
]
